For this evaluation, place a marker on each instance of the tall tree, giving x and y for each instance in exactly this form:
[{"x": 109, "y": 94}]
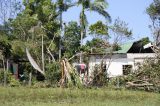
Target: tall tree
[
  {"x": 154, "y": 12},
  {"x": 8, "y": 10},
  {"x": 63, "y": 6},
  {"x": 5, "y": 52},
  {"x": 38, "y": 20},
  {"x": 96, "y": 45},
  {"x": 98, "y": 6},
  {"x": 71, "y": 39},
  {"x": 99, "y": 31},
  {"x": 120, "y": 32}
]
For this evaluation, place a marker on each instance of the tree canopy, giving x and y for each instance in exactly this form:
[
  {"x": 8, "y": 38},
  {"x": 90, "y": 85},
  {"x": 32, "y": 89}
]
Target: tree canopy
[
  {"x": 38, "y": 25},
  {"x": 154, "y": 12}
]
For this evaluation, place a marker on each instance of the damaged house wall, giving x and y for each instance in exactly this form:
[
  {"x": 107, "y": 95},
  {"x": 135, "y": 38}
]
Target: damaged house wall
[{"x": 121, "y": 62}]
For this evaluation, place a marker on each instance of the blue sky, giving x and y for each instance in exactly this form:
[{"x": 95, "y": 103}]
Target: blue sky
[{"x": 130, "y": 11}]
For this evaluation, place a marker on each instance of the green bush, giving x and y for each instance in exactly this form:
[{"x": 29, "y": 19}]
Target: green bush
[
  {"x": 10, "y": 80},
  {"x": 53, "y": 73},
  {"x": 1, "y": 76},
  {"x": 8, "y": 74},
  {"x": 100, "y": 76},
  {"x": 13, "y": 82}
]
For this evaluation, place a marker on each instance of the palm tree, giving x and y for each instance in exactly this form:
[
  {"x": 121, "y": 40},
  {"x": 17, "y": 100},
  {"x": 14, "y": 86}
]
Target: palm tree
[
  {"x": 98, "y": 6},
  {"x": 63, "y": 5}
]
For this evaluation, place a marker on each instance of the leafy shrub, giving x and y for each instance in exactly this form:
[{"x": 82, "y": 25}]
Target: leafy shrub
[
  {"x": 11, "y": 80},
  {"x": 100, "y": 76},
  {"x": 53, "y": 73},
  {"x": 1, "y": 76}
]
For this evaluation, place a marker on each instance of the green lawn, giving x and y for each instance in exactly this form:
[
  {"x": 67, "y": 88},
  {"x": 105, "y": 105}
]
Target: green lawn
[{"x": 75, "y": 97}]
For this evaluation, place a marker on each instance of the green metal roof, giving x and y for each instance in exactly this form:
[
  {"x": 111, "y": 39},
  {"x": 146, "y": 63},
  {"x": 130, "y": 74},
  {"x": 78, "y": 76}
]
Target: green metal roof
[{"x": 124, "y": 48}]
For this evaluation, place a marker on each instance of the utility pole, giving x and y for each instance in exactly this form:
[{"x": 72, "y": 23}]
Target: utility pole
[
  {"x": 61, "y": 34},
  {"x": 42, "y": 55}
]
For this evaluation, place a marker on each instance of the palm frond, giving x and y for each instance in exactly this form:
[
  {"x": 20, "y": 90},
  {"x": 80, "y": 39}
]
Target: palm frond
[
  {"x": 80, "y": 1},
  {"x": 99, "y": 9},
  {"x": 65, "y": 8},
  {"x": 63, "y": 5},
  {"x": 101, "y": 3},
  {"x": 67, "y": 1}
]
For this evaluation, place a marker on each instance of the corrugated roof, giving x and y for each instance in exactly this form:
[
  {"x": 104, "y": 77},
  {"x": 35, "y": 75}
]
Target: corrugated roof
[{"x": 124, "y": 48}]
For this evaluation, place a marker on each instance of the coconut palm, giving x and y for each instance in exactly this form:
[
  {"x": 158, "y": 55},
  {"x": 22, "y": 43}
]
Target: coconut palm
[
  {"x": 63, "y": 5},
  {"x": 98, "y": 6}
]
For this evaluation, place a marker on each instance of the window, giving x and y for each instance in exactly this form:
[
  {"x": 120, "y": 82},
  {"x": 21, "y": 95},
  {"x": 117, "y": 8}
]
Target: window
[
  {"x": 104, "y": 67},
  {"x": 127, "y": 69}
]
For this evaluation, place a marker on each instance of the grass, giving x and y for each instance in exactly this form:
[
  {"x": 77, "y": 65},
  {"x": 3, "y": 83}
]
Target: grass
[{"x": 75, "y": 97}]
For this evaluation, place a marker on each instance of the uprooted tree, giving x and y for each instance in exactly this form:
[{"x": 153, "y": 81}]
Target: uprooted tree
[
  {"x": 146, "y": 77},
  {"x": 149, "y": 72}
]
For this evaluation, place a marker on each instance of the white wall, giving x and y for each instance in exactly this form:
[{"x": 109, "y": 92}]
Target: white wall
[
  {"x": 141, "y": 55},
  {"x": 115, "y": 64},
  {"x": 92, "y": 62},
  {"x": 115, "y": 67}
]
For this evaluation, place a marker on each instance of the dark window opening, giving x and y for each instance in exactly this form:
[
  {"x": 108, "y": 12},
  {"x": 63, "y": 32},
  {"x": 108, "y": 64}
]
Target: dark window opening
[
  {"x": 127, "y": 69},
  {"x": 104, "y": 67}
]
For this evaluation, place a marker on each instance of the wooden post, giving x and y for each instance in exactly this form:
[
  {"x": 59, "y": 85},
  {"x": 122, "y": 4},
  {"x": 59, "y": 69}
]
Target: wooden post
[
  {"x": 118, "y": 82},
  {"x": 30, "y": 79}
]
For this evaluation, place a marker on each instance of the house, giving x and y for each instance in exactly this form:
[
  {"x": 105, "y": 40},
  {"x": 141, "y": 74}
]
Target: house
[
  {"x": 123, "y": 61},
  {"x": 9, "y": 65}
]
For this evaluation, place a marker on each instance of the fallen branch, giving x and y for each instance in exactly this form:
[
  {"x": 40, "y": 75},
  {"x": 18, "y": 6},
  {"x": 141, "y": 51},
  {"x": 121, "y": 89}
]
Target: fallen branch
[{"x": 139, "y": 83}]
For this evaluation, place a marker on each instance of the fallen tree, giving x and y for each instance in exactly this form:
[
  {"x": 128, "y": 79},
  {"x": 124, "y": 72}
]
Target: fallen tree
[
  {"x": 147, "y": 76},
  {"x": 69, "y": 76}
]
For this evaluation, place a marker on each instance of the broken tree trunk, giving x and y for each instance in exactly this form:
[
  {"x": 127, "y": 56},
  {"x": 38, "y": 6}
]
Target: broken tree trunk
[{"x": 69, "y": 76}]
